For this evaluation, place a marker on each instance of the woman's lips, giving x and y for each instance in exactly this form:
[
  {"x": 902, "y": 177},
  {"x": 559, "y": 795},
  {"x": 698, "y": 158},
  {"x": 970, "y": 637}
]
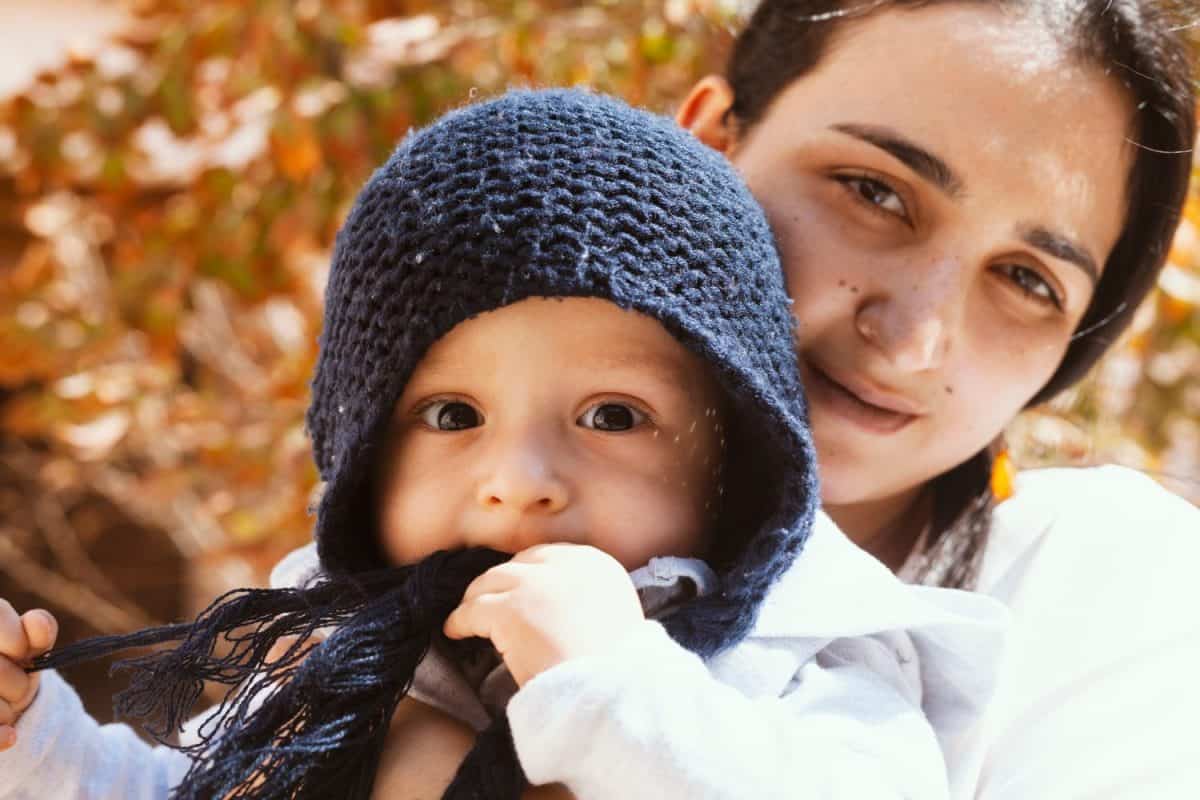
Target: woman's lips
[{"x": 832, "y": 396}]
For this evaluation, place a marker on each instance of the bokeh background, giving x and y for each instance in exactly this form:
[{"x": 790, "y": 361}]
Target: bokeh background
[{"x": 172, "y": 175}]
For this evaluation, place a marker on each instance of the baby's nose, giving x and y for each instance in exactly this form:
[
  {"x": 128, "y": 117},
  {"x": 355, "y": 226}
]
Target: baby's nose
[{"x": 523, "y": 483}]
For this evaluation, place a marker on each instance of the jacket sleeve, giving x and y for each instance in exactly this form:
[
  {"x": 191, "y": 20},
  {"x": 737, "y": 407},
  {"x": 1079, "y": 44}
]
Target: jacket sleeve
[
  {"x": 61, "y": 752},
  {"x": 648, "y": 720}
]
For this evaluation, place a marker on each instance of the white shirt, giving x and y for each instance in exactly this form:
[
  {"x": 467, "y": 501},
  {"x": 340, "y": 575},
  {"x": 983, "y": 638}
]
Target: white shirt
[{"x": 1099, "y": 688}]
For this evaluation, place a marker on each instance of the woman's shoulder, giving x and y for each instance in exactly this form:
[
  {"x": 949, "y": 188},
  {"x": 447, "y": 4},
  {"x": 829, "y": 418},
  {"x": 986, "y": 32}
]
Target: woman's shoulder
[
  {"x": 1105, "y": 489},
  {"x": 1097, "y": 567},
  {"x": 1110, "y": 506},
  {"x": 1095, "y": 532}
]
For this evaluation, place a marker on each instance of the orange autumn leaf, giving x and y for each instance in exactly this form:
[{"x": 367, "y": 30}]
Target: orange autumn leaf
[
  {"x": 1173, "y": 309},
  {"x": 297, "y": 155}
]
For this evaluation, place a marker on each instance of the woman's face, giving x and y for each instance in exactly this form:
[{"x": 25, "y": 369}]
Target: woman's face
[{"x": 945, "y": 188}]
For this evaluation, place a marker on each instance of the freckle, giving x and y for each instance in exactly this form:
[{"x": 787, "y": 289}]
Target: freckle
[
  {"x": 854, "y": 289},
  {"x": 841, "y": 283},
  {"x": 949, "y": 390}
]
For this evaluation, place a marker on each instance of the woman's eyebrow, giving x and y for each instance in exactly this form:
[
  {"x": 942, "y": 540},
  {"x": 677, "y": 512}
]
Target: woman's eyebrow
[
  {"x": 1061, "y": 247},
  {"x": 917, "y": 158}
]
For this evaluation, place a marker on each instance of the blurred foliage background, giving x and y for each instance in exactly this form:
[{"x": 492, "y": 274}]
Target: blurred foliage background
[{"x": 167, "y": 207}]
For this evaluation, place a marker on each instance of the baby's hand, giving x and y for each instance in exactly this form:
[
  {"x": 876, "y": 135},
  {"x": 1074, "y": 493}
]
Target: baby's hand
[
  {"x": 550, "y": 603},
  {"x": 21, "y": 639}
]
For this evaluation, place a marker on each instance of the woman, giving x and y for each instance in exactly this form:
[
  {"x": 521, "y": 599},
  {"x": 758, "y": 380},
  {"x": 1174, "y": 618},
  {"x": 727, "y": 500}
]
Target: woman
[{"x": 970, "y": 200}]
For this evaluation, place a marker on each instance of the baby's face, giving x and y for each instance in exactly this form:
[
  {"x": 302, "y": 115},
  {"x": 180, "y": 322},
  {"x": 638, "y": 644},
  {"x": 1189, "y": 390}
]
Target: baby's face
[{"x": 554, "y": 421}]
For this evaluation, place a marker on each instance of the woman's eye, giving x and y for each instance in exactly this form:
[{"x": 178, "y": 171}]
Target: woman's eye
[
  {"x": 1033, "y": 285},
  {"x": 450, "y": 415},
  {"x": 876, "y": 194},
  {"x": 611, "y": 417}
]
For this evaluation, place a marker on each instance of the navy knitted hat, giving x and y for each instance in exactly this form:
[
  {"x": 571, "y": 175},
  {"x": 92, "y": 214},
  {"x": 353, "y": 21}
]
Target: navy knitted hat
[{"x": 565, "y": 193}]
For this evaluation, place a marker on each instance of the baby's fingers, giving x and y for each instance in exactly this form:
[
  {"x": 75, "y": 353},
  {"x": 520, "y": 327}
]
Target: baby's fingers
[
  {"x": 476, "y": 617},
  {"x": 21, "y": 638},
  {"x": 17, "y": 689},
  {"x": 41, "y": 630},
  {"x": 13, "y": 642}
]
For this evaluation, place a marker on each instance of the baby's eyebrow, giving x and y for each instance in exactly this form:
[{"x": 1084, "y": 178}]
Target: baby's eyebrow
[{"x": 659, "y": 365}]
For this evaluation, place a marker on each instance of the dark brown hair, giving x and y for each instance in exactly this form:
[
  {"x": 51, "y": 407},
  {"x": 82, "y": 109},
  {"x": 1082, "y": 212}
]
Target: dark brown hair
[{"x": 1136, "y": 42}]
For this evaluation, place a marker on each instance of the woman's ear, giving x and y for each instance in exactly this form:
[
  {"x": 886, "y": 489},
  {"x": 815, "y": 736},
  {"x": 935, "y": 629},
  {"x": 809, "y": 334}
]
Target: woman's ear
[{"x": 705, "y": 113}]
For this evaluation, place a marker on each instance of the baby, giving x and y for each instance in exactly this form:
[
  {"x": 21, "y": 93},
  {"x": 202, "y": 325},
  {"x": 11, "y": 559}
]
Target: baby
[{"x": 556, "y": 328}]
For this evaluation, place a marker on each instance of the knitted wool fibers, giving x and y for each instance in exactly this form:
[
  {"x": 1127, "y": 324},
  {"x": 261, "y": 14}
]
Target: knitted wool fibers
[{"x": 562, "y": 193}]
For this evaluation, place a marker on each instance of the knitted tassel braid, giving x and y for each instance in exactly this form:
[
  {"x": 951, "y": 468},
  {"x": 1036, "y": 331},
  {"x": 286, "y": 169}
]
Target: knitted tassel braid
[{"x": 312, "y": 722}]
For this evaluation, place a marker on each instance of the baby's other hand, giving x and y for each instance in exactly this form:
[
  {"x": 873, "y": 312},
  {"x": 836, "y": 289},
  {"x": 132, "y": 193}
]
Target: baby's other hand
[
  {"x": 550, "y": 603},
  {"x": 22, "y": 637}
]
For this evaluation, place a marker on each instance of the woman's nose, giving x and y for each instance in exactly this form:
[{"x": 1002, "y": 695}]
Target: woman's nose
[
  {"x": 523, "y": 480},
  {"x": 913, "y": 325}
]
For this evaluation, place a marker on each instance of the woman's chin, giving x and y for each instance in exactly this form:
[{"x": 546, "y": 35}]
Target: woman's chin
[{"x": 849, "y": 483}]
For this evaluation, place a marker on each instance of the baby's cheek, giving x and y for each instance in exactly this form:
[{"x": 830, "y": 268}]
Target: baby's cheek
[
  {"x": 660, "y": 513},
  {"x": 411, "y": 522}
]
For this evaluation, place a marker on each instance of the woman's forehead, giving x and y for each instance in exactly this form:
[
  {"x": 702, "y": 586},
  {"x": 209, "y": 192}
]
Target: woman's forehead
[{"x": 968, "y": 77}]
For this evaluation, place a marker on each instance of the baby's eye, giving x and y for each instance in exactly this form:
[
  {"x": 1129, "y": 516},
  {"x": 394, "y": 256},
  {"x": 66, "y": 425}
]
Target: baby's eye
[
  {"x": 450, "y": 415},
  {"x": 611, "y": 417}
]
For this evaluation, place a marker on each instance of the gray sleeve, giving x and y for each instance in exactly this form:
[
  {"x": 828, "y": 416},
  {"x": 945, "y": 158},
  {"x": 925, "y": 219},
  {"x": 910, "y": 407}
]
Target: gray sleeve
[{"x": 61, "y": 752}]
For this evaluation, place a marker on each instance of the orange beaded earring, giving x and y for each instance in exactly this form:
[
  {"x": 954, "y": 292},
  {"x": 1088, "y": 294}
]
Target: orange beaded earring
[{"x": 1004, "y": 473}]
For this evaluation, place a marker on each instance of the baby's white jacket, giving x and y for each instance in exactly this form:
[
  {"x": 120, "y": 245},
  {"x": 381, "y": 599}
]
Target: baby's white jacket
[{"x": 850, "y": 685}]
